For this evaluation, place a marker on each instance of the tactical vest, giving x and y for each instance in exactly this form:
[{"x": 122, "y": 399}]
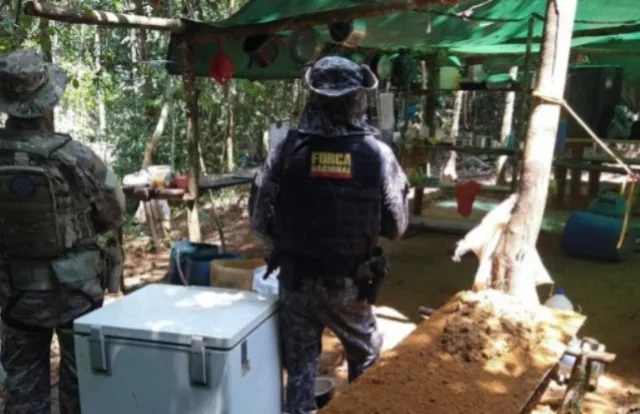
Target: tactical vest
[
  {"x": 329, "y": 202},
  {"x": 39, "y": 216}
]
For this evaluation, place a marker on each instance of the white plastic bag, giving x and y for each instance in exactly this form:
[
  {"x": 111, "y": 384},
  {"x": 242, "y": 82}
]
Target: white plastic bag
[{"x": 268, "y": 286}]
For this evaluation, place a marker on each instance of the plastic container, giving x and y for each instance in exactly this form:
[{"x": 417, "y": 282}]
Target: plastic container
[
  {"x": 235, "y": 274},
  {"x": 449, "y": 78},
  {"x": 194, "y": 260},
  {"x": 609, "y": 203},
  {"x": 181, "y": 181},
  {"x": 559, "y": 301},
  {"x": 594, "y": 236}
]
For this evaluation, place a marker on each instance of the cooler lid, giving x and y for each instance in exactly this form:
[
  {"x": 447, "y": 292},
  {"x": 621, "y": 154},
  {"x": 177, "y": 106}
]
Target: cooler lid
[{"x": 176, "y": 314}]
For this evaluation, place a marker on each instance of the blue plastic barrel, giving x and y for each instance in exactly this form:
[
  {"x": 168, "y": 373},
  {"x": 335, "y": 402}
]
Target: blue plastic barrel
[
  {"x": 194, "y": 260},
  {"x": 594, "y": 236}
]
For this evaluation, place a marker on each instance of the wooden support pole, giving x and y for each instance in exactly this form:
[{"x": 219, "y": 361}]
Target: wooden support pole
[
  {"x": 591, "y": 355},
  {"x": 521, "y": 233},
  {"x": 524, "y": 106},
  {"x": 82, "y": 15},
  {"x": 191, "y": 98}
]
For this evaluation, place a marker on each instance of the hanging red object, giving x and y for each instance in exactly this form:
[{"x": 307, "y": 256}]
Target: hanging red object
[
  {"x": 466, "y": 195},
  {"x": 221, "y": 67},
  {"x": 475, "y": 60}
]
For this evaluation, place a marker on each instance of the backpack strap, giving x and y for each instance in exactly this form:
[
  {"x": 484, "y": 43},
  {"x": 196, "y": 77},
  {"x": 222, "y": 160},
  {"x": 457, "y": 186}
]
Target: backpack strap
[{"x": 32, "y": 142}]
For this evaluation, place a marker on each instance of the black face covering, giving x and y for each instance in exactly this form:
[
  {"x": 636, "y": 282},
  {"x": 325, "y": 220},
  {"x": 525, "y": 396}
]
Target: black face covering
[{"x": 335, "y": 116}]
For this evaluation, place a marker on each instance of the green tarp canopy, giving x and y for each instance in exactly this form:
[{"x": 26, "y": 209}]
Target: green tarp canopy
[{"x": 495, "y": 28}]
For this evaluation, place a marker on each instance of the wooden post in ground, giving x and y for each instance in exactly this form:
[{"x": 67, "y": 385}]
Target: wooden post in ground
[
  {"x": 521, "y": 233},
  {"x": 191, "y": 98}
]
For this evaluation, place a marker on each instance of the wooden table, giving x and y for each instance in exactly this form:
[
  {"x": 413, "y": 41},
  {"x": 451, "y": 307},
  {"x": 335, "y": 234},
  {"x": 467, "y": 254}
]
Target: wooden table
[
  {"x": 591, "y": 163},
  {"x": 146, "y": 193},
  {"x": 217, "y": 182}
]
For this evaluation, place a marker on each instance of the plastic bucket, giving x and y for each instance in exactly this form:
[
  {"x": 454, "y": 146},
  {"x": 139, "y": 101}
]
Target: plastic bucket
[
  {"x": 198, "y": 269},
  {"x": 193, "y": 261},
  {"x": 236, "y": 274}
]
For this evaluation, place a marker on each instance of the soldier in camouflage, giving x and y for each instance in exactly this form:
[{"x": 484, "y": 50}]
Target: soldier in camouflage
[
  {"x": 322, "y": 198},
  {"x": 56, "y": 197}
]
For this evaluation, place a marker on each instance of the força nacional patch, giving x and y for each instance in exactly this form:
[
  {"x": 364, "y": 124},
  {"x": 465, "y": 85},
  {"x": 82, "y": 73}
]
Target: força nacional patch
[{"x": 335, "y": 165}]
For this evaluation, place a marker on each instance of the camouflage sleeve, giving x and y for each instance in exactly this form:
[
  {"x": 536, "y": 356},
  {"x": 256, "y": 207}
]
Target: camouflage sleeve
[
  {"x": 107, "y": 197},
  {"x": 264, "y": 191},
  {"x": 395, "y": 190}
]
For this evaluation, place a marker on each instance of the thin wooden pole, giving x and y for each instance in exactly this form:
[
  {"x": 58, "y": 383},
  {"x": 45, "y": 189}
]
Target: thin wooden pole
[
  {"x": 191, "y": 101},
  {"x": 524, "y": 108},
  {"x": 68, "y": 14}
]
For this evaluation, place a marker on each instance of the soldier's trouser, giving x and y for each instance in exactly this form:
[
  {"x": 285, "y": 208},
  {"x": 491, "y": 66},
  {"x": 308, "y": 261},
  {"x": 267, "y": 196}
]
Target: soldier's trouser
[
  {"x": 304, "y": 313},
  {"x": 28, "y": 322}
]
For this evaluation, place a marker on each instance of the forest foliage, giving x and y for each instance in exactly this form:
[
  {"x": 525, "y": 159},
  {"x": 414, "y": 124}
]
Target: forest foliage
[{"x": 118, "y": 87}]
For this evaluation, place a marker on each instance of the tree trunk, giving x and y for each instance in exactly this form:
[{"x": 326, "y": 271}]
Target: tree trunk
[
  {"x": 507, "y": 126},
  {"x": 102, "y": 110},
  {"x": 152, "y": 143},
  {"x": 47, "y": 48},
  {"x": 214, "y": 215},
  {"x": 191, "y": 98},
  {"x": 521, "y": 233},
  {"x": 230, "y": 94},
  {"x": 143, "y": 68}
]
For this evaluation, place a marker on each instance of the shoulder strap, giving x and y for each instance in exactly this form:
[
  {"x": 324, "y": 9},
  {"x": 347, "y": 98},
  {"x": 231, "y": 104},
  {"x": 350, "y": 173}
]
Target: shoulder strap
[
  {"x": 288, "y": 147},
  {"x": 36, "y": 143}
]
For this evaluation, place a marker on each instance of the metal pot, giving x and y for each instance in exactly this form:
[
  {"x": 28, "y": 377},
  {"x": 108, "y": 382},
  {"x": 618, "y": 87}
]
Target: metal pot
[
  {"x": 262, "y": 50},
  {"x": 381, "y": 65},
  {"x": 325, "y": 389},
  {"x": 305, "y": 46},
  {"x": 349, "y": 34}
]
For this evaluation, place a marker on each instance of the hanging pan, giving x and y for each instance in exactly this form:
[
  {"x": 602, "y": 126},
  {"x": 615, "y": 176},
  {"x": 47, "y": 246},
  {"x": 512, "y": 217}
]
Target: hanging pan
[
  {"x": 305, "y": 46},
  {"x": 262, "y": 50},
  {"x": 349, "y": 34},
  {"x": 381, "y": 65}
]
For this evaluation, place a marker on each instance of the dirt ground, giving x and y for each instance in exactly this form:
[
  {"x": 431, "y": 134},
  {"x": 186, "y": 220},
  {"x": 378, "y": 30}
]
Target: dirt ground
[
  {"x": 423, "y": 274},
  {"x": 479, "y": 353}
]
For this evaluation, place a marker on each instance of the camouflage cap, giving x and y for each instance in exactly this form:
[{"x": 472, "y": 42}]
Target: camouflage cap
[
  {"x": 335, "y": 76},
  {"x": 29, "y": 85}
]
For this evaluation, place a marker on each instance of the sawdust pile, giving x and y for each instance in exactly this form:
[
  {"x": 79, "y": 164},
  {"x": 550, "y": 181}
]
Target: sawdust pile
[{"x": 487, "y": 325}]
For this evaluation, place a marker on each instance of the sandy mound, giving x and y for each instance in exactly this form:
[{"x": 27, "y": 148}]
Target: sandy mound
[{"x": 488, "y": 325}]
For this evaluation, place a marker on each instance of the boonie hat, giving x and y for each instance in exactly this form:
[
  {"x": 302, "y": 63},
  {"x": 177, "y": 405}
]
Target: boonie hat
[
  {"x": 29, "y": 85},
  {"x": 335, "y": 76}
]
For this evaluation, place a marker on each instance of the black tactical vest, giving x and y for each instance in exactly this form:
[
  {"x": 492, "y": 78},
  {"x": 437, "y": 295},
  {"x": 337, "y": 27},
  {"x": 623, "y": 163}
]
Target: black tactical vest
[{"x": 329, "y": 203}]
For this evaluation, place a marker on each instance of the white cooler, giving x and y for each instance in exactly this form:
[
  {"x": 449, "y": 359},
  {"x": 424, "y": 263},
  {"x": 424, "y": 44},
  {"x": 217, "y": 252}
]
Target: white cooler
[{"x": 168, "y": 349}]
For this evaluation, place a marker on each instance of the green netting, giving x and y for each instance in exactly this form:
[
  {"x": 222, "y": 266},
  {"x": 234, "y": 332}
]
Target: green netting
[{"x": 497, "y": 29}]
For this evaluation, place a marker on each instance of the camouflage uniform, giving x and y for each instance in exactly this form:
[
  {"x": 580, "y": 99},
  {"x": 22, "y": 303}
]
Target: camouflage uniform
[
  {"x": 43, "y": 295},
  {"x": 315, "y": 294}
]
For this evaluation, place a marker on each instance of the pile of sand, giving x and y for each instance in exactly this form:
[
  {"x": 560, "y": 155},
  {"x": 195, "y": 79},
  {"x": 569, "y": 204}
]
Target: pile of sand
[{"x": 487, "y": 325}]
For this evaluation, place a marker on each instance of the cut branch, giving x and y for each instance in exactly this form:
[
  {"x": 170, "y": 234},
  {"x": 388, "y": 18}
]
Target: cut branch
[{"x": 69, "y": 14}]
